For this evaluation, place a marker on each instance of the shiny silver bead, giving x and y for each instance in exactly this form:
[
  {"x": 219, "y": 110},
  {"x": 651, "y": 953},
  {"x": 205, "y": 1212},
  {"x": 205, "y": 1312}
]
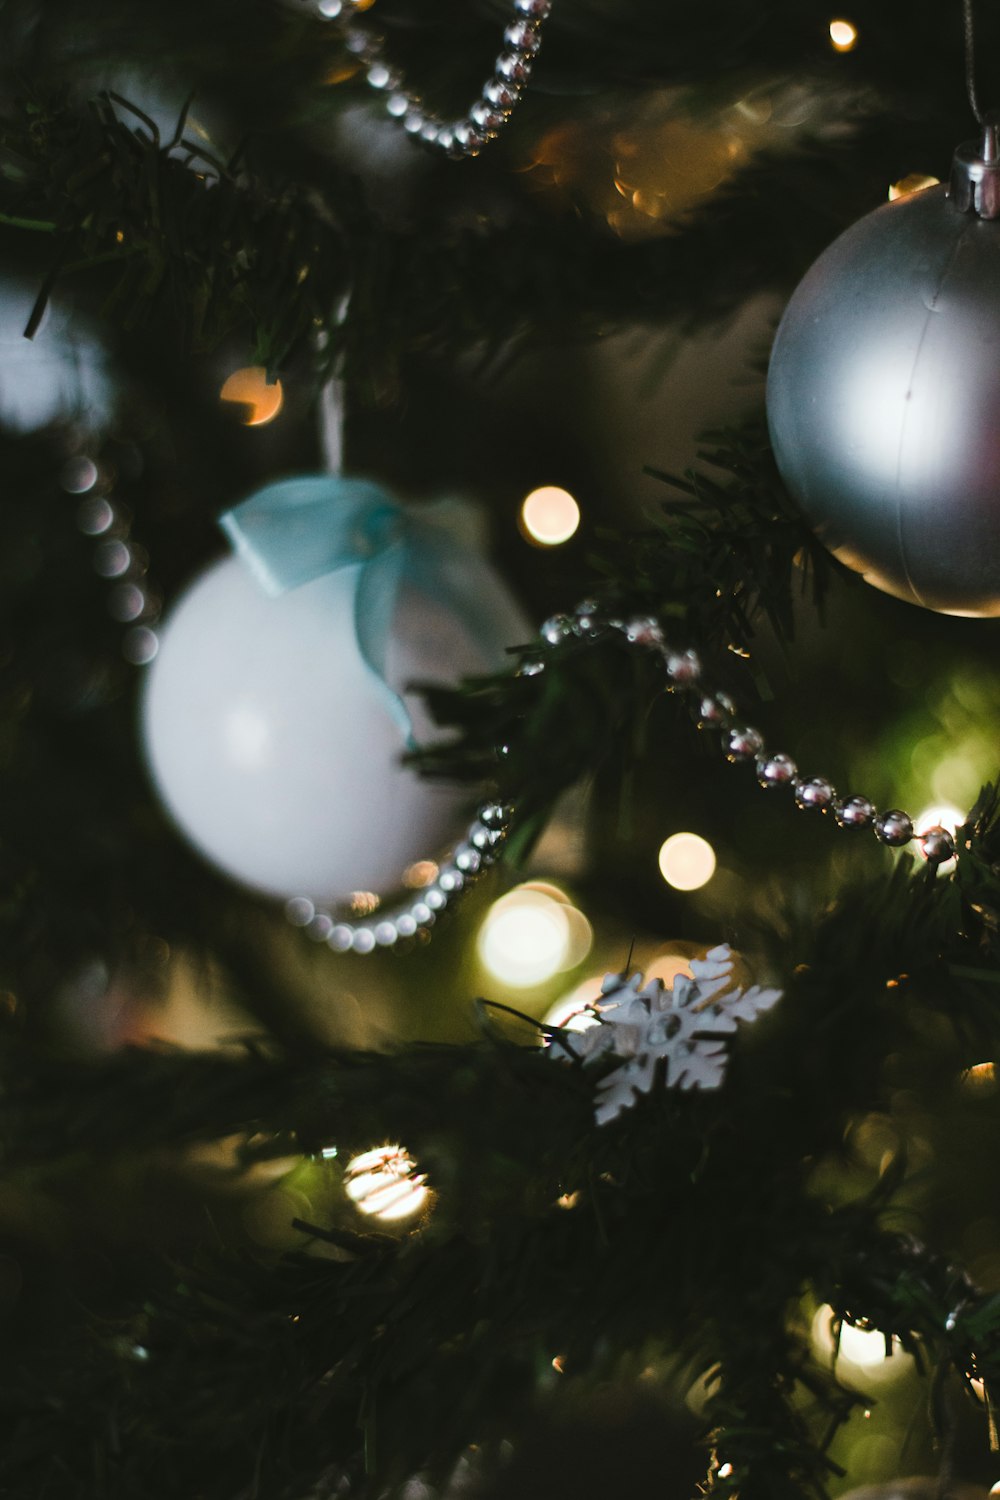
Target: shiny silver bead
[
  {"x": 893, "y": 828},
  {"x": 341, "y": 938},
  {"x": 445, "y": 140},
  {"x": 421, "y": 914},
  {"x": 381, "y": 77},
  {"x": 937, "y": 844},
  {"x": 493, "y": 815},
  {"x": 414, "y": 122},
  {"x": 386, "y": 933},
  {"x": 363, "y": 44},
  {"x": 140, "y": 645},
  {"x": 468, "y": 139},
  {"x": 776, "y": 770},
  {"x": 299, "y": 911},
  {"x": 429, "y": 132},
  {"x": 480, "y": 837},
  {"x": 522, "y": 36},
  {"x": 363, "y": 940},
  {"x": 467, "y": 859},
  {"x": 95, "y": 516},
  {"x": 406, "y": 924},
  {"x": 434, "y": 898},
  {"x": 320, "y": 927},
  {"x": 535, "y": 10},
  {"x": 816, "y": 793},
  {"x": 742, "y": 742},
  {"x": 513, "y": 67},
  {"x": 450, "y": 882},
  {"x": 644, "y": 630},
  {"x": 683, "y": 668},
  {"x": 112, "y": 559},
  {"x": 501, "y": 94},
  {"x": 854, "y": 812},
  {"x": 530, "y": 668},
  {"x": 397, "y": 104},
  {"x": 557, "y": 628},
  {"x": 487, "y": 119},
  {"x": 715, "y": 711}
]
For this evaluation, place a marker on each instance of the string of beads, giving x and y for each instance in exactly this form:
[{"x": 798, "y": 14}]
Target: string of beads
[
  {"x": 489, "y": 113},
  {"x": 741, "y": 742}
]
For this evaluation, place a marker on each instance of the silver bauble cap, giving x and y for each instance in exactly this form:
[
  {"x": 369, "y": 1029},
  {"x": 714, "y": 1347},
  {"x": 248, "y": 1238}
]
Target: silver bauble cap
[{"x": 975, "y": 172}]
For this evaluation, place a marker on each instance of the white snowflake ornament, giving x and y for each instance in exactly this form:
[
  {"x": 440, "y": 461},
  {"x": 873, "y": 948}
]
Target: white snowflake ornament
[{"x": 684, "y": 1028}]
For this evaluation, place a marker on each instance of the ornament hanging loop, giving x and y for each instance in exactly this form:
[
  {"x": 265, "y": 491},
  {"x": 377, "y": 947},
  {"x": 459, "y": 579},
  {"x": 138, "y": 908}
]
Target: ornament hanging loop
[{"x": 970, "y": 60}]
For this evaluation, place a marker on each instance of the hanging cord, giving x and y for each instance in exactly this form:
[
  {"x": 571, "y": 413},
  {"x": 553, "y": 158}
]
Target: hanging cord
[{"x": 970, "y": 59}]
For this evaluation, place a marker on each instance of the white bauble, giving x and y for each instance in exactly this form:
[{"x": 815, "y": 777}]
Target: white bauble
[
  {"x": 60, "y": 375},
  {"x": 275, "y": 747}
]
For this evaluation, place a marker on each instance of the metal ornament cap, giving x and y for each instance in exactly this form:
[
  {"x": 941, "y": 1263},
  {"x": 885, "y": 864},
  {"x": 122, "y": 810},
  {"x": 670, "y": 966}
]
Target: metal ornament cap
[
  {"x": 883, "y": 401},
  {"x": 975, "y": 172}
]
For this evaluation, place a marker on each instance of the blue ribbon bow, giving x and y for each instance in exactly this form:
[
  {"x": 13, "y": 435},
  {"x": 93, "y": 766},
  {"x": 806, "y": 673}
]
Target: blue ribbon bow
[{"x": 297, "y": 530}]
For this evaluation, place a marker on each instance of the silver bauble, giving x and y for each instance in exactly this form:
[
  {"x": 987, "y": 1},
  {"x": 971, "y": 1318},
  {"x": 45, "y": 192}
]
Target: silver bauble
[
  {"x": 883, "y": 396},
  {"x": 917, "y": 1488}
]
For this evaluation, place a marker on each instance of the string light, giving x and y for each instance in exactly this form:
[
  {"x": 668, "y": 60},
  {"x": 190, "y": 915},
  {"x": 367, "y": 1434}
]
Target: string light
[
  {"x": 532, "y": 934},
  {"x": 861, "y": 1350},
  {"x": 382, "y": 1182},
  {"x": 843, "y": 35},
  {"x": 251, "y": 389},
  {"x": 687, "y": 861},
  {"x": 549, "y": 516}
]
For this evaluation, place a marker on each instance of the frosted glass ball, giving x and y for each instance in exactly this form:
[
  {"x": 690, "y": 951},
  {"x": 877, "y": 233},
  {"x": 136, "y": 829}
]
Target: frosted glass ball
[
  {"x": 273, "y": 746},
  {"x": 60, "y": 375}
]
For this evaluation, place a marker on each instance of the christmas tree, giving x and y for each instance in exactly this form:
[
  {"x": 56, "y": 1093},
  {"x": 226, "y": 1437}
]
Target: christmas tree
[{"x": 446, "y": 1053}]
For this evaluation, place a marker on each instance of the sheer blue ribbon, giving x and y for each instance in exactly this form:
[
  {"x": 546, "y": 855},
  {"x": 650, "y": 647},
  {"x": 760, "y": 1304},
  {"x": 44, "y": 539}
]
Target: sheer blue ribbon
[{"x": 292, "y": 532}]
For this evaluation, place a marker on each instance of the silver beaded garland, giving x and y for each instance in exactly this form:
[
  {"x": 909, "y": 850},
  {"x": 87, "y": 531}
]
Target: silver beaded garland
[
  {"x": 486, "y": 117},
  {"x": 743, "y": 743}
]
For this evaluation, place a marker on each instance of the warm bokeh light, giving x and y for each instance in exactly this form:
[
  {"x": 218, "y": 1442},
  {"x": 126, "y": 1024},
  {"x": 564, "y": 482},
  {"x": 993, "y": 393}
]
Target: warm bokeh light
[
  {"x": 687, "y": 862},
  {"x": 363, "y": 903},
  {"x": 914, "y": 182},
  {"x": 981, "y": 1078},
  {"x": 532, "y": 934},
  {"x": 573, "y": 1011},
  {"x": 945, "y": 815},
  {"x": 549, "y": 516},
  {"x": 251, "y": 389},
  {"x": 382, "y": 1182},
  {"x": 420, "y": 874},
  {"x": 843, "y": 35}
]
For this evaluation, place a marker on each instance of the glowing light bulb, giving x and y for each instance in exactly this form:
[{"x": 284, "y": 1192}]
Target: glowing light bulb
[
  {"x": 862, "y": 1350},
  {"x": 549, "y": 516},
  {"x": 843, "y": 35},
  {"x": 914, "y": 182},
  {"x": 687, "y": 861},
  {"x": 382, "y": 1183},
  {"x": 251, "y": 389},
  {"x": 532, "y": 934}
]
